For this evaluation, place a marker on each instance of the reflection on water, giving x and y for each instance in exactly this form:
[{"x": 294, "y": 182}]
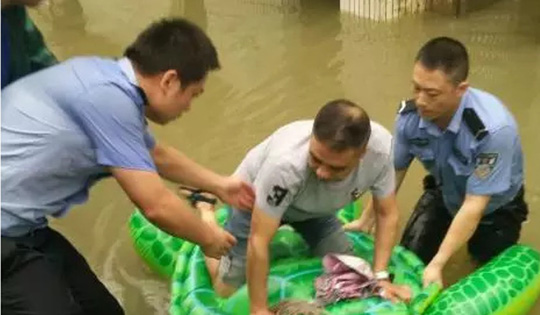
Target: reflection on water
[{"x": 283, "y": 59}]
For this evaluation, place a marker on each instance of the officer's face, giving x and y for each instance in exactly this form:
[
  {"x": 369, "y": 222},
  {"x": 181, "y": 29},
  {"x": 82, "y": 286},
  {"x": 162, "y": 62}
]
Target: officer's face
[
  {"x": 331, "y": 165},
  {"x": 436, "y": 96},
  {"x": 170, "y": 99}
]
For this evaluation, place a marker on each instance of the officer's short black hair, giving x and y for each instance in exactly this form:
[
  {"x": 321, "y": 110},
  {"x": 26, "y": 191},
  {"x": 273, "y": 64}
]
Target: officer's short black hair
[
  {"x": 445, "y": 54},
  {"x": 174, "y": 44},
  {"x": 341, "y": 124}
]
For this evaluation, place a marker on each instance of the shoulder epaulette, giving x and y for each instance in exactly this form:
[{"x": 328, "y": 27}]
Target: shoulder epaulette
[
  {"x": 407, "y": 106},
  {"x": 475, "y": 125}
]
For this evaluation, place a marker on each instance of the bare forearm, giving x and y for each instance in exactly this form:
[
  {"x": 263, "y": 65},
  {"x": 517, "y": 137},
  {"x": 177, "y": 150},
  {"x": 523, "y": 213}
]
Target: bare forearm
[
  {"x": 387, "y": 222},
  {"x": 257, "y": 274},
  {"x": 177, "y": 167},
  {"x": 161, "y": 206},
  {"x": 461, "y": 230},
  {"x": 173, "y": 216}
]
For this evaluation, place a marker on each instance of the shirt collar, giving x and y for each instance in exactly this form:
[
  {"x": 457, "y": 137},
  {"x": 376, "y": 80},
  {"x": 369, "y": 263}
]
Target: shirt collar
[
  {"x": 430, "y": 127},
  {"x": 455, "y": 123},
  {"x": 127, "y": 68}
]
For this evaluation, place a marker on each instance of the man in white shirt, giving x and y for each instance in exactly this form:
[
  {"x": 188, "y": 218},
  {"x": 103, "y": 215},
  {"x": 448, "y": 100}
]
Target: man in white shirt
[{"x": 303, "y": 174}]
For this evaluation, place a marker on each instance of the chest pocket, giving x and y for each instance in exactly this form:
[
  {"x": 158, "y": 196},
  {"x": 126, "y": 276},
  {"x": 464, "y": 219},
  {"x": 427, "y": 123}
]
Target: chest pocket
[
  {"x": 461, "y": 165},
  {"x": 425, "y": 155}
]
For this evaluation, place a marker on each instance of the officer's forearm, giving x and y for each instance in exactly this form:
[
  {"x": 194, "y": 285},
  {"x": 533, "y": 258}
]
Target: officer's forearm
[
  {"x": 462, "y": 228},
  {"x": 387, "y": 222},
  {"x": 177, "y": 167},
  {"x": 161, "y": 206}
]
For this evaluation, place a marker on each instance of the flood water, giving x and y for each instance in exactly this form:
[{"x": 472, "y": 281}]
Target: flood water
[{"x": 282, "y": 60}]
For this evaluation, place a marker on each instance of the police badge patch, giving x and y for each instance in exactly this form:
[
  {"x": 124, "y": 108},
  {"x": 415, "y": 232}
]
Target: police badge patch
[
  {"x": 277, "y": 195},
  {"x": 485, "y": 162}
]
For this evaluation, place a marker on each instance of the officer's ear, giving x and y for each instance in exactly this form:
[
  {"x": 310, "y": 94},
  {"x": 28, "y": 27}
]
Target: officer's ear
[
  {"x": 462, "y": 88},
  {"x": 169, "y": 82}
]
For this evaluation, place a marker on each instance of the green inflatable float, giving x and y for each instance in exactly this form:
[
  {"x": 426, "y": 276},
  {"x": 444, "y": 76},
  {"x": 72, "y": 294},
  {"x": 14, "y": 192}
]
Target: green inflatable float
[{"x": 510, "y": 284}]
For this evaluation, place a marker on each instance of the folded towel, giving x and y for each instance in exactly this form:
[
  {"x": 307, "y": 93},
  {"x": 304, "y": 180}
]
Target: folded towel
[{"x": 345, "y": 277}]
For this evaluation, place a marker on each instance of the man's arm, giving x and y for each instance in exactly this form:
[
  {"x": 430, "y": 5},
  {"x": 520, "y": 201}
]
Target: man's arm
[
  {"x": 177, "y": 167},
  {"x": 386, "y": 212},
  {"x": 276, "y": 185},
  {"x": 492, "y": 175},
  {"x": 387, "y": 217},
  {"x": 461, "y": 230},
  {"x": 367, "y": 219},
  {"x": 402, "y": 159},
  {"x": 163, "y": 208},
  {"x": 263, "y": 228}
]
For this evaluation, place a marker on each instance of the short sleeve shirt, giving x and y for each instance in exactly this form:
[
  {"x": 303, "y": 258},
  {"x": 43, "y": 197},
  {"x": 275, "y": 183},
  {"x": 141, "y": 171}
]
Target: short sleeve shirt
[
  {"x": 287, "y": 188},
  {"x": 62, "y": 128},
  {"x": 461, "y": 160}
]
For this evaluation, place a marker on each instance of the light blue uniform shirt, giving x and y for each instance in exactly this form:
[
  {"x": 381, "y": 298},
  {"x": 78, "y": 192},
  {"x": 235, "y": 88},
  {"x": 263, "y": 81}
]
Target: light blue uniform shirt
[
  {"x": 479, "y": 153},
  {"x": 61, "y": 129}
]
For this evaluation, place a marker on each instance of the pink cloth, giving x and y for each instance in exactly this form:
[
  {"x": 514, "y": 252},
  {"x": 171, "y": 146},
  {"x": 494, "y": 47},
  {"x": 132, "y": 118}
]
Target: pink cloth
[{"x": 345, "y": 277}]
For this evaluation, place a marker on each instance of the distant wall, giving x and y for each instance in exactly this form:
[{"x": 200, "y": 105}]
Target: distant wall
[{"x": 383, "y": 10}]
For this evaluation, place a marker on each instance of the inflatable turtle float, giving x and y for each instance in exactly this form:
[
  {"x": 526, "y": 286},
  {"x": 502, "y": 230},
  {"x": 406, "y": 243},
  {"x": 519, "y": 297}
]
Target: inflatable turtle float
[{"x": 509, "y": 284}]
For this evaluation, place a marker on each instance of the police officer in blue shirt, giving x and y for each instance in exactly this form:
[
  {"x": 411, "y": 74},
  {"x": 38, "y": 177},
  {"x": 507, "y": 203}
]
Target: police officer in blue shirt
[
  {"x": 468, "y": 142},
  {"x": 68, "y": 126}
]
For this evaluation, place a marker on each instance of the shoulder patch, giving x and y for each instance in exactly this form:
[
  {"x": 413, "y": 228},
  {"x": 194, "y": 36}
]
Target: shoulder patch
[
  {"x": 475, "y": 125},
  {"x": 485, "y": 162},
  {"x": 276, "y": 196},
  {"x": 407, "y": 106}
]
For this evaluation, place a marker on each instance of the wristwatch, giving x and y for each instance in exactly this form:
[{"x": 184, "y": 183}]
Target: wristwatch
[{"x": 382, "y": 275}]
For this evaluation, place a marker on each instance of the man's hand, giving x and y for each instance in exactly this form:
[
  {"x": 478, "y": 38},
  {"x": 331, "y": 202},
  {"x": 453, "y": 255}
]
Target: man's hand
[
  {"x": 176, "y": 167},
  {"x": 364, "y": 224},
  {"x": 395, "y": 293},
  {"x": 237, "y": 193},
  {"x": 433, "y": 274},
  {"x": 461, "y": 230},
  {"x": 222, "y": 242}
]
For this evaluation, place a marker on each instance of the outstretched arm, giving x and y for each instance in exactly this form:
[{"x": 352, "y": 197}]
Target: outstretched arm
[
  {"x": 177, "y": 167},
  {"x": 263, "y": 228},
  {"x": 461, "y": 230}
]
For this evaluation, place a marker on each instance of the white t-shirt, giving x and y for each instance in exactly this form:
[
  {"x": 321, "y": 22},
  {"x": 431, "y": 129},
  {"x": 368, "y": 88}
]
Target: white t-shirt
[{"x": 288, "y": 189}]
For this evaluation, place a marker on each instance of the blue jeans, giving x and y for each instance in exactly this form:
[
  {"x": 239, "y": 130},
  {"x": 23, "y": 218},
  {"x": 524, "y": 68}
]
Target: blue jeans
[{"x": 323, "y": 235}]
